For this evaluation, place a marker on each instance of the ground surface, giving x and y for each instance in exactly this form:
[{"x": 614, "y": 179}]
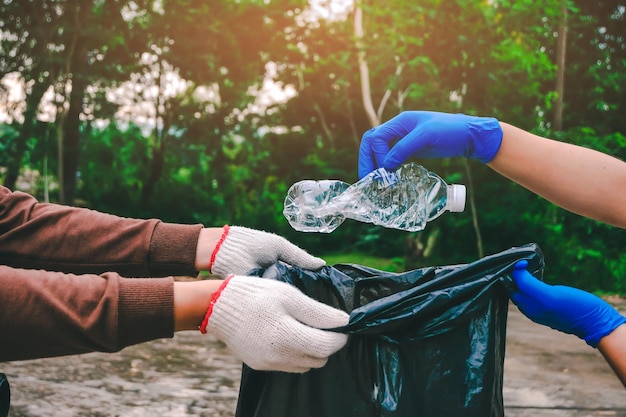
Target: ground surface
[{"x": 546, "y": 374}]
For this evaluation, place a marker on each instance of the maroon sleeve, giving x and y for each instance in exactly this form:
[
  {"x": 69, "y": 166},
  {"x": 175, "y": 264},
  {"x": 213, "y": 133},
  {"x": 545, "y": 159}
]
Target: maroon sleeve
[
  {"x": 44, "y": 314},
  {"x": 54, "y": 237}
]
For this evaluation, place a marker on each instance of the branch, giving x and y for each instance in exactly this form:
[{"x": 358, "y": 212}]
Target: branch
[
  {"x": 327, "y": 131},
  {"x": 387, "y": 94},
  {"x": 363, "y": 68}
]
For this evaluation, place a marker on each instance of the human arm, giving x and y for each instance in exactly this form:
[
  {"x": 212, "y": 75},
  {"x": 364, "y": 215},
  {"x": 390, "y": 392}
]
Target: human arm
[
  {"x": 581, "y": 180},
  {"x": 573, "y": 177},
  {"x": 46, "y": 314},
  {"x": 613, "y": 348},
  {"x": 428, "y": 134},
  {"x": 67, "y": 239},
  {"x": 573, "y": 311},
  {"x": 268, "y": 324}
]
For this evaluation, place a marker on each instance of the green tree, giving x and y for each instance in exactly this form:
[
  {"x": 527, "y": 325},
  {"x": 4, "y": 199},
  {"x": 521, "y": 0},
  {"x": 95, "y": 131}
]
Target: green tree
[
  {"x": 73, "y": 46},
  {"x": 596, "y": 75}
]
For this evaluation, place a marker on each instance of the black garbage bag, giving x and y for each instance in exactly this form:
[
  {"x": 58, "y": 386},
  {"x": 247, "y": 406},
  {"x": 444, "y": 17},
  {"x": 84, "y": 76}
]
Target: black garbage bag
[
  {"x": 425, "y": 343},
  {"x": 5, "y": 395}
]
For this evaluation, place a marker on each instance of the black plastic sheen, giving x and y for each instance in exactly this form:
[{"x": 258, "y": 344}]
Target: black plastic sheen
[
  {"x": 424, "y": 343},
  {"x": 5, "y": 395}
]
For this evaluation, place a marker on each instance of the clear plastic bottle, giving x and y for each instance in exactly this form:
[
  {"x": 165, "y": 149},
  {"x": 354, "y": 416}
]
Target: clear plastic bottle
[{"x": 404, "y": 199}]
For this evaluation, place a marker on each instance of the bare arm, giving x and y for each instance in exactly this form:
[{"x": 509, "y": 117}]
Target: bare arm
[
  {"x": 578, "y": 179},
  {"x": 191, "y": 300},
  {"x": 613, "y": 347}
]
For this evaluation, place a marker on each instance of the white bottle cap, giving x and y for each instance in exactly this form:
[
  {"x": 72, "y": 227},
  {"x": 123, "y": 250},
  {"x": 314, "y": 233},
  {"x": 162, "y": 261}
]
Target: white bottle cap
[{"x": 456, "y": 198}]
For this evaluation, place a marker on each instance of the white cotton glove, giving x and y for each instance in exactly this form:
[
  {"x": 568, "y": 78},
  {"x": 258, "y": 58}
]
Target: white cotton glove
[
  {"x": 241, "y": 249},
  {"x": 271, "y": 325}
]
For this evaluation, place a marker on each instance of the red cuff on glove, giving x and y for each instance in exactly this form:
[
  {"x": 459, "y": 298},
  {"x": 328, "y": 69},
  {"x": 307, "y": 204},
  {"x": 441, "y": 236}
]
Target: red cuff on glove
[
  {"x": 214, "y": 297},
  {"x": 218, "y": 246}
]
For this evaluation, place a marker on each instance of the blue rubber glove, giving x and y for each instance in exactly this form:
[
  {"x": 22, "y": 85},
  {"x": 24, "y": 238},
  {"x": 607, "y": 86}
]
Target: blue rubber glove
[
  {"x": 563, "y": 308},
  {"x": 427, "y": 134}
]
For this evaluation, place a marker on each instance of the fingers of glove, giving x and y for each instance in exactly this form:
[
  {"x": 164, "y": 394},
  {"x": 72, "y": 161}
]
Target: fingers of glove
[
  {"x": 245, "y": 249},
  {"x": 282, "y": 359},
  {"x": 367, "y": 162},
  {"x": 559, "y": 299},
  {"x": 373, "y": 151},
  {"x": 266, "y": 323},
  {"x": 274, "y": 357},
  {"x": 415, "y": 143},
  {"x": 307, "y": 346},
  {"x": 533, "y": 297},
  {"x": 311, "y": 312},
  {"x": 564, "y": 308},
  {"x": 527, "y": 283},
  {"x": 294, "y": 255},
  {"x": 265, "y": 248},
  {"x": 434, "y": 135},
  {"x": 377, "y": 142},
  {"x": 305, "y": 319}
]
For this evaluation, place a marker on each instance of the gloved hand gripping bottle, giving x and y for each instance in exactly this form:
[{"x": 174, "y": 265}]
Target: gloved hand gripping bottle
[{"x": 404, "y": 199}]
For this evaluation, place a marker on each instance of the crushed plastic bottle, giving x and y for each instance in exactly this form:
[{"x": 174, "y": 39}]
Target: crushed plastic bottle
[{"x": 404, "y": 199}]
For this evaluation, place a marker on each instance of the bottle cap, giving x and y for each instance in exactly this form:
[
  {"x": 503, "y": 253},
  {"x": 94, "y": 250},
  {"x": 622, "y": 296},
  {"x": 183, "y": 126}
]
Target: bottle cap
[{"x": 456, "y": 198}]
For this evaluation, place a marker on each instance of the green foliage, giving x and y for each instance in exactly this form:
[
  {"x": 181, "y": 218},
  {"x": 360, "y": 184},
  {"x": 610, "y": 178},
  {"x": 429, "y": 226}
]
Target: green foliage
[
  {"x": 112, "y": 169},
  {"x": 212, "y": 153},
  {"x": 383, "y": 264},
  {"x": 8, "y": 135}
]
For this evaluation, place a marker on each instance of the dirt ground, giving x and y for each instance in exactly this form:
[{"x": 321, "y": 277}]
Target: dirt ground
[
  {"x": 546, "y": 373},
  {"x": 552, "y": 374}
]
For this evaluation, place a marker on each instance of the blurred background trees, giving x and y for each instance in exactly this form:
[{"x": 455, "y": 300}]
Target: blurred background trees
[{"x": 195, "y": 111}]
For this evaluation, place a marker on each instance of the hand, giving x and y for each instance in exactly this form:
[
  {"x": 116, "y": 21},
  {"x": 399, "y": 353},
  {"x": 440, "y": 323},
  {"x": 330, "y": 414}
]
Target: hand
[
  {"x": 567, "y": 309},
  {"x": 271, "y": 325},
  {"x": 426, "y": 134},
  {"x": 241, "y": 249}
]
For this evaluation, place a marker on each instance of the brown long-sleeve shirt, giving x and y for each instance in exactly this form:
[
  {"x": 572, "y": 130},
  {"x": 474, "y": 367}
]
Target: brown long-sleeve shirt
[{"x": 62, "y": 289}]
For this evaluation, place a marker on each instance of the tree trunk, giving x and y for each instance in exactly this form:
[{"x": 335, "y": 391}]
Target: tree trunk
[
  {"x": 374, "y": 116},
  {"x": 30, "y": 118},
  {"x": 161, "y": 127},
  {"x": 416, "y": 252},
  {"x": 70, "y": 149},
  {"x": 325, "y": 127},
  {"x": 366, "y": 92},
  {"x": 156, "y": 169},
  {"x": 472, "y": 201}
]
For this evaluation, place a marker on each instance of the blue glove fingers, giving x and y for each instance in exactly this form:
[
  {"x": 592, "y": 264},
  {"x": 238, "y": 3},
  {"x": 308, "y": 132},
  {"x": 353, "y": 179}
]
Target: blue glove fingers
[
  {"x": 427, "y": 134},
  {"x": 564, "y": 308},
  {"x": 374, "y": 148},
  {"x": 367, "y": 163},
  {"x": 423, "y": 134},
  {"x": 441, "y": 135},
  {"x": 376, "y": 143},
  {"x": 557, "y": 306},
  {"x": 413, "y": 144},
  {"x": 532, "y": 294}
]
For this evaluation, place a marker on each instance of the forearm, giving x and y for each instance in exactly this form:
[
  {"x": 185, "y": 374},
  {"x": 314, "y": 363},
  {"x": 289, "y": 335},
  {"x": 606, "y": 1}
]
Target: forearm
[
  {"x": 578, "y": 179},
  {"x": 613, "y": 348},
  {"x": 45, "y": 314},
  {"x": 191, "y": 300},
  {"x": 207, "y": 241},
  {"x": 77, "y": 240}
]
